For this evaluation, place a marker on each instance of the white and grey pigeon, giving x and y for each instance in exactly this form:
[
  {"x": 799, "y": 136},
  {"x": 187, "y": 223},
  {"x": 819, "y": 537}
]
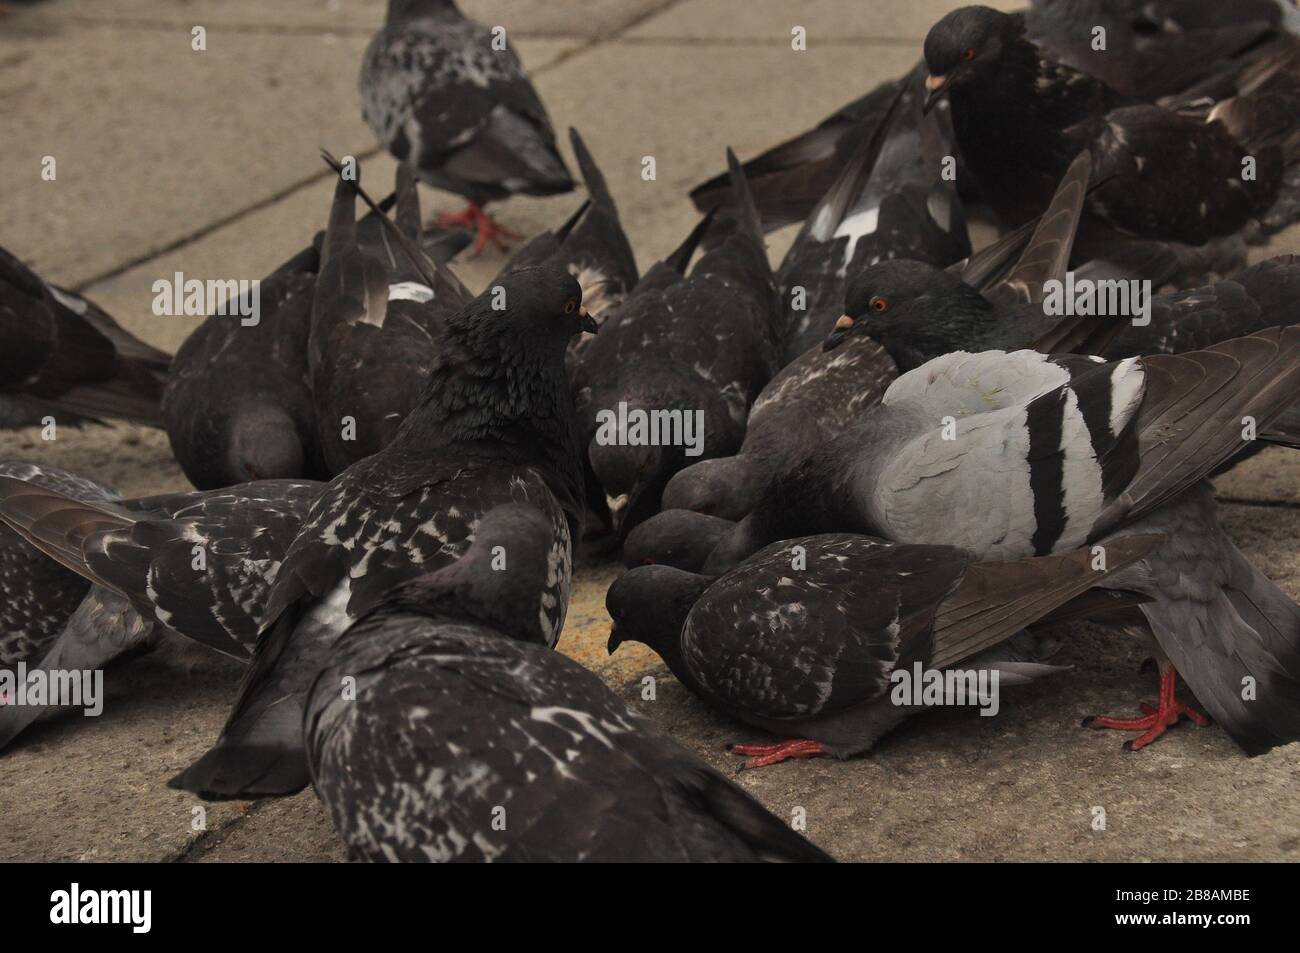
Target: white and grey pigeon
[
  {"x": 804, "y": 639},
  {"x": 112, "y": 575},
  {"x": 449, "y": 97},
  {"x": 1010, "y": 455},
  {"x": 494, "y": 425},
  {"x": 444, "y": 728}
]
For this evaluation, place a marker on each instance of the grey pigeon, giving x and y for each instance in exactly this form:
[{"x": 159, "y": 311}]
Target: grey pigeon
[
  {"x": 1083, "y": 450},
  {"x": 449, "y": 98},
  {"x": 494, "y": 424},
  {"x": 805, "y": 638},
  {"x": 444, "y": 728}
]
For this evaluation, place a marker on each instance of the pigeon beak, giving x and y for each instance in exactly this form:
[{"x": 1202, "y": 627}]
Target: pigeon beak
[
  {"x": 589, "y": 323},
  {"x": 615, "y": 640},
  {"x": 936, "y": 89},
  {"x": 842, "y": 328}
]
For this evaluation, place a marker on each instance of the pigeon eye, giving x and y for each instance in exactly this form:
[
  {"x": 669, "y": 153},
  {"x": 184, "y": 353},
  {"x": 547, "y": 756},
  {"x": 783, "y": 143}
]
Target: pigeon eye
[
  {"x": 969, "y": 54},
  {"x": 879, "y": 304},
  {"x": 570, "y": 305}
]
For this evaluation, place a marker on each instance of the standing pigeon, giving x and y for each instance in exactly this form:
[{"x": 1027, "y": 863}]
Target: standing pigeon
[
  {"x": 1020, "y": 117},
  {"x": 494, "y": 425},
  {"x": 698, "y": 347},
  {"x": 444, "y": 728},
  {"x": 804, "y": 638},
  {"x": 65, "y": 358},
  {"x": 376, "y": 322},
  {"x": 449, "y": 98},
  {"x": 1083, "y": 450},
  {"x": 199, "y": 564}
]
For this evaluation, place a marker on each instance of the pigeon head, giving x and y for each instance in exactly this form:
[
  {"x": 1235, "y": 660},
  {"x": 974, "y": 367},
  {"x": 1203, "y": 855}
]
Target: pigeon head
[
  {"x": 913, "y": 310},
  {"x": 537, "y": 307},
  {"x": 965, "y": 47},
  {"x": 499, "y": 581},
  {"x": 263, "y": 444},
  {"x": 650, "y": 604},
  {"x": 633, "y": 478}
]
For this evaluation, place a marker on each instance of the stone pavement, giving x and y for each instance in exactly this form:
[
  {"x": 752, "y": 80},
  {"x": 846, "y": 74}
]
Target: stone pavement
[{"x": 206, "y": 162}]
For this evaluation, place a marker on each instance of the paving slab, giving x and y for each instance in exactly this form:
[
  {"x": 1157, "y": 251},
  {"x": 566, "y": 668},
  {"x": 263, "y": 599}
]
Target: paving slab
[
  {"x": 826, "y": 21},
  {"x": 179, "y": 140},
  {"x": 578, "y": 18},
  {"x": 192, "y": 151}
]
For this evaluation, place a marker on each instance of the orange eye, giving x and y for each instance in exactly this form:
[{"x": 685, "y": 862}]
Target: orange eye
[
  {"x": 570, "y": 305},
  {"x": 969, "y": 54},
  {"x": 879, "y": 304}
]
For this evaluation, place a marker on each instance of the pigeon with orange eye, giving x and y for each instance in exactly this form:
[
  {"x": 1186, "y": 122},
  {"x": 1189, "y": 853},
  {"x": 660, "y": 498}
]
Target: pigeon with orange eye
[{"x": 588, "y": 323}]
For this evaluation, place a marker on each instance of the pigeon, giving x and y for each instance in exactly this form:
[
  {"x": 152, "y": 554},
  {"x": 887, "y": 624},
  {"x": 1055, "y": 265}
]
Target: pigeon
[
  {"x": 449, "y": 98},
  {"x": 1083, "y": 449},
  {"x": 788, "y": 180},
  {"x": 198, "y": 564},
  {"x": 681, "y": 538},
  {"x": 376, "y": 319},
  {"x": 820, "y": 393},
  {"x": 806, "y": 638},
  {"x": 38, "y": 595},
  {"x": 591, "y": 244},
  {"x": 494, "y": 424},
  {"x": 66, "y": 360},
  {"x": 552, "y": 765},
  {"x": 268, "y": 430},
  {"x": 1020, "y": 117},
  {"x": 918, "y": 313},
  {"x": 681, "y": 351},
  {"x": 890, "y": 201},
  {"x": 1153, "y": 48}
]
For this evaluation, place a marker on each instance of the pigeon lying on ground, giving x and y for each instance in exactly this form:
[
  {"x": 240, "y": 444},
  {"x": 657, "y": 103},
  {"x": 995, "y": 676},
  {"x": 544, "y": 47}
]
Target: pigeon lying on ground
[
  {"x": 494, "y": 425},
  {"x": 820, "y": 394},
  {"x": 376, "y": 322},
  {"x": 887, "y": 203},
  {"x": 1020, "y": 117},
  {"x": 238, "y": 404},
  {"x": 698, "y": 347},
  {"x": 552, "y": 766},
  {"x": 200, "y": 564},
  {"x": 449, "y": 98},
  {"x": 65, "y": 358},
  {"x": 803, "y": 638},
  {"x": 1083, "y": 451}
]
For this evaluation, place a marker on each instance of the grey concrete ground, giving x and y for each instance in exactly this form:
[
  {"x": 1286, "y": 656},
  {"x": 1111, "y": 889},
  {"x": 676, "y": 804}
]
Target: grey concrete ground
[{"x": 205, "y": 162}]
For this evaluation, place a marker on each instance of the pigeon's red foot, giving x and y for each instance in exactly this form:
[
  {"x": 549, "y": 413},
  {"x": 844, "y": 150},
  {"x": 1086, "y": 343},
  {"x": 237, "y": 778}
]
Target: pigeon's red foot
[
  {"x": 474, "y": 217},
  {"x": 1168, "y": 711},
  {"x": 763, "y": 755}
]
